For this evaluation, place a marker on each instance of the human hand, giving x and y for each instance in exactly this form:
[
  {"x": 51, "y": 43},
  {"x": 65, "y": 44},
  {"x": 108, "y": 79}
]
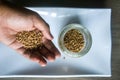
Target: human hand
[{"x": 14, "y": 20}]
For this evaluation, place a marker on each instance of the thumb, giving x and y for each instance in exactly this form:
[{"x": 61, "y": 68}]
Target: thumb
[{"x": 41, "y": 25}]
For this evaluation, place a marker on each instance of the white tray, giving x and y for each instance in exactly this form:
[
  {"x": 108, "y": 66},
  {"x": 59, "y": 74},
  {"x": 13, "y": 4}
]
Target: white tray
[{"x": 96, "y": 63}]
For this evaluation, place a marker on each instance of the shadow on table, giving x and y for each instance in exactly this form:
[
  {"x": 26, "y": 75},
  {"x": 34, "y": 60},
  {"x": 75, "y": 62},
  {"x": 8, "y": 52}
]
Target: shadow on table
[{"x": 56, "y": 70}]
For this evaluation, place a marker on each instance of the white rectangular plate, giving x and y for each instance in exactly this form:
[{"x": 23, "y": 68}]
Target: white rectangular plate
[{"x": 96, "y": 63}]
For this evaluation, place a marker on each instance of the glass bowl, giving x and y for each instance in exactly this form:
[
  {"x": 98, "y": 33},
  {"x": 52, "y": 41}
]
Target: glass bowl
[{"x": 86, "y": 36}]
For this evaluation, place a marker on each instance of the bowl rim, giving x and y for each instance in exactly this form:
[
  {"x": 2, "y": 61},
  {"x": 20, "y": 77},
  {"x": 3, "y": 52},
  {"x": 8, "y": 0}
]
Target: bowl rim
[{"x": 87, "y": 38}]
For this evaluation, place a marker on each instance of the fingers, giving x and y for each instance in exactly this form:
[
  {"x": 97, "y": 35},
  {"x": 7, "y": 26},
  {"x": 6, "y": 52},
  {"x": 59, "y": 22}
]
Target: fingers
[
  {"x": 47, "y": 54},
  {"x": 40, "y": 59},
  {"x": 40, "y": 24},
  {"x": 21, "y": 50},
  {"x": 15, "y": 45},
  {"x": 50, "y": 46},
  {"x": 32, "y": 55}
]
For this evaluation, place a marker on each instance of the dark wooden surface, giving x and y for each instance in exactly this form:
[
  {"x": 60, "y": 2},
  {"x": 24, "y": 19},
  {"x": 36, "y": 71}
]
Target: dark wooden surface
[
  {"x": 115, "y": 22},
  {"x": 61, "y": 3}
]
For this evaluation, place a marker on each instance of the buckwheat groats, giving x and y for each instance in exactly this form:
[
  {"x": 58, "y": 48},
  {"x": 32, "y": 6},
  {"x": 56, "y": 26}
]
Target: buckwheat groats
[
  {"x": 74, "y": 40},
  {"x": 30, "y": 39}
]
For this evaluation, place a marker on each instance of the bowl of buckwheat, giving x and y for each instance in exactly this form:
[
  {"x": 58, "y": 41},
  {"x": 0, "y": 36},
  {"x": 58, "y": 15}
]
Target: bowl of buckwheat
[{"x": 75, "y": 40}]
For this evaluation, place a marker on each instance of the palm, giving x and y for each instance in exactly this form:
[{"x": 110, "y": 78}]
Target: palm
[{"x": 18, "y": 21}]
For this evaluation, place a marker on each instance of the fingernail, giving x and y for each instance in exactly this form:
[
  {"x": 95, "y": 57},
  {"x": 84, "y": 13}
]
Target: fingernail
[
  {"x": 52, "y": 60},
  {"x": 43, "y": 65},
  {"x": 59, "y": 55},
  {"x": 36, "y": 60}
]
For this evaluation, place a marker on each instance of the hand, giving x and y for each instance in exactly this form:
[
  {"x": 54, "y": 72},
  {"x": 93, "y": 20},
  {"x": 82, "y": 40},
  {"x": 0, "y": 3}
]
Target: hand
[{"x": 13, "y": 20}]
